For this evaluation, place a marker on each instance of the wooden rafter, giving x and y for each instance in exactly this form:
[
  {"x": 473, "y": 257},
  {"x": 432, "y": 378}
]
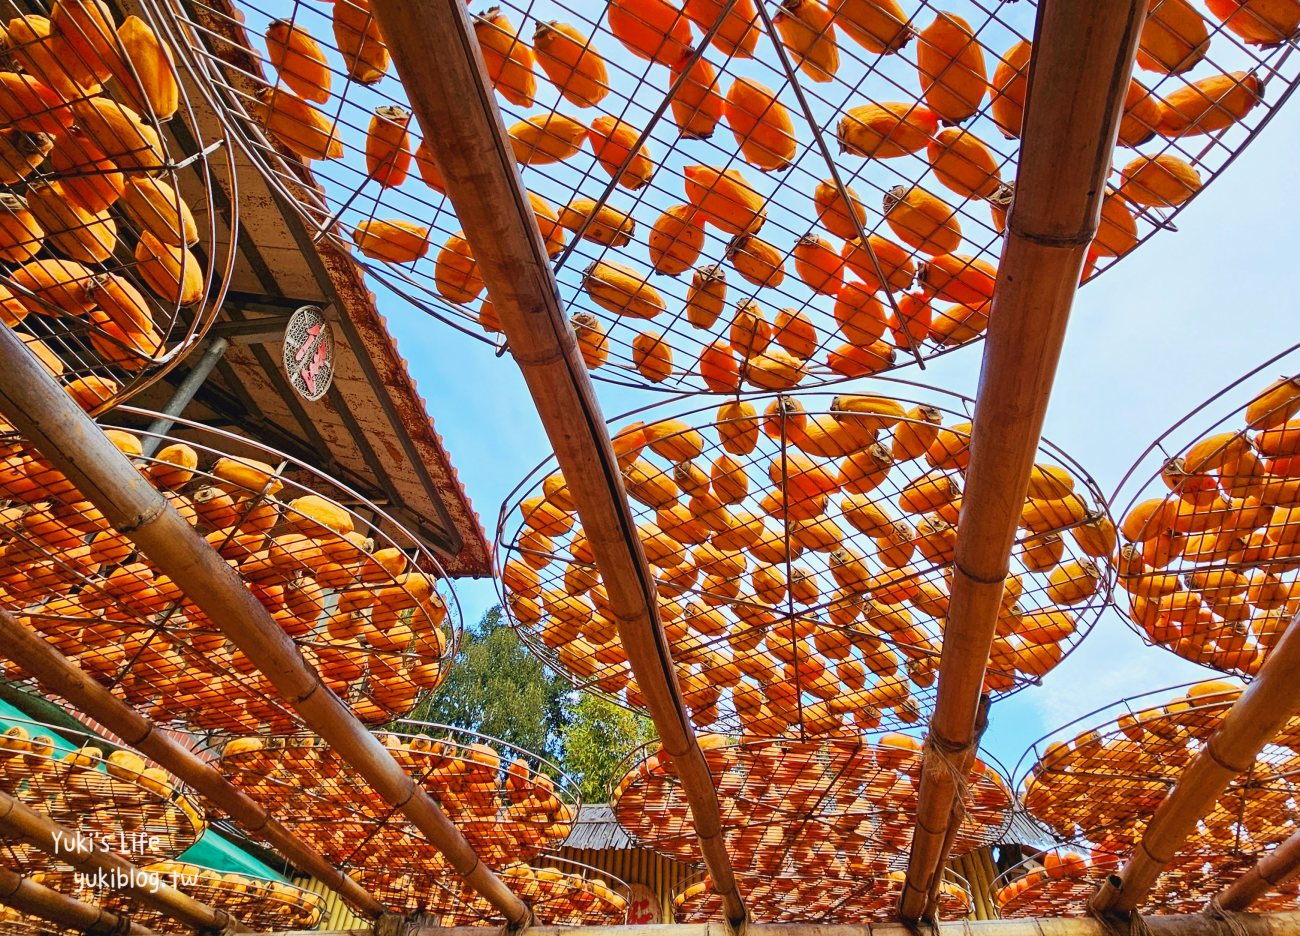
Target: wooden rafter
[
  {"x": 437, "y": 55},
  {"x": 1083, "y": 59}
]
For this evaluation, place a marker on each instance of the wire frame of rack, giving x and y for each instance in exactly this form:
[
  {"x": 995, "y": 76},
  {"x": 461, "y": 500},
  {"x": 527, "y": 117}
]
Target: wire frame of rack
[
  {"x": 366, "y": 603},
  {"x": 1059, "y": 882},
  {"x": 794, "y": 809},
  {"x": 1211, "y": 525},
  {"x": 822, "y": 900},
  {"x": 801, "y": 546},
  {"x": 559, "y": 891},
  {"x": 872, "y": 897},
  {"x": 511, "y": 805},
  {"x": 112, "y": 262},
  {"x": 261, "y": 905},
  {"x": 1097, "y": 782},
  {"x": 110, "y": 797},
  {"x": 869, "y": 156}
]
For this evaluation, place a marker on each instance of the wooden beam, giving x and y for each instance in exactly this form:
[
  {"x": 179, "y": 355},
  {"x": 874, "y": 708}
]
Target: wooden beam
[
  {"x": 26, "y": 896},
  {"x": 20, "y": 822},
  {"x": 1079, "y": 74},
  {"x": 61, "y": 677},
  {"x": 1276, "y": 868},
  {"x": 45, "y": 415},
  {"x": 1268, "y": 702},
  {"x": 438, "y": 59},
  {"x": 1190, "y": 924}
]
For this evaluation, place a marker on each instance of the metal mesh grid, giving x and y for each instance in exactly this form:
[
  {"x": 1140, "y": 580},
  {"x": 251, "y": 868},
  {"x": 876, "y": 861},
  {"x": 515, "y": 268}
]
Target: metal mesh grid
[
  {"x": 836, "y": 809},
  {"x": 560, "y": 892},
  {"x": 872, "y": 895},
  {"x": 819, "y": 609},
  {"x": 511, "y": 805},
  {"x": 1098, "y": 781},
  {"x": 114, "y": 798},
  {"x": 261, "y": 905},
  {"x": 1212, "y": 529},
  {"x": 622, "y": 112},
  {"x": 106, "y": 271},
  {"x": 366, "y": 603},
  {"x": 1059, "y": 883}
]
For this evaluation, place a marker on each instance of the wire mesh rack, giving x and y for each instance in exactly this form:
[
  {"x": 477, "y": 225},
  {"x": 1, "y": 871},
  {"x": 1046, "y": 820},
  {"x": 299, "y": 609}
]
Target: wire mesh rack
[
  {"x": 1212, "y": 524},
  {"x": 870, "y": 895},
  {"x": 560, "y": 892},
  {"x": 109, "y": 797},
  {"x": 842, "y": 170},
  {"x": 801, "y": 546},
  {"x": 838, "y": 808},
  {"x": 366, "y": 603},
  {"x": 1060, "y": 881},
  {"x": 261, "y": 905},
  {"x": 112, "y": 261},
  {"x": 1097, "y": 782},
  {"x": 511, "y": 805}
]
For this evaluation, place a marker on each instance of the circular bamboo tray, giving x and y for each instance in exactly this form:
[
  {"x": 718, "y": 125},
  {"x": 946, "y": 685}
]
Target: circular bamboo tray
[
  {"x": 113, "y": 263},
  {"x": 794, "y": 809},
  {"x": 820, "y": 609},
  {"x": 616, "y": 164},
  {"x": 785, "y": 899},
  {"x": 560, "y": 892},
  {"x": 502, "y": 798},
  {"x": 113, "y": 798},
  {"x": 1212, "y": 527},
  {"x": 1098, "y": 781},
  {"x": 261, "y": 905},
  {"x": 366, "y": 602},
  {"x": 1060, "y": 881}
]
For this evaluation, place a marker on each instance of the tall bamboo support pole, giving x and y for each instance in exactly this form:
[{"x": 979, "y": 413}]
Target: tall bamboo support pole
[
  {"x": 1267, "y": 703},
  {"x": 67, "y": 437},
  {"x": 21, "y": 822},
  {"x": 1277, "y": 867},
  {"x": 1083, "y": 58},
  {"x": 63, "y": 678},
  {"x": 1191, "y": 924},
  {"x": 437, "y": 56},
  {"x": 64, "y": 910}
]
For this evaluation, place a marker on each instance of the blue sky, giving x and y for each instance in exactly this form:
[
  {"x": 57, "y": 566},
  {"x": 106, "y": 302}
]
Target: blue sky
[{"x": 1160, "y": 332}]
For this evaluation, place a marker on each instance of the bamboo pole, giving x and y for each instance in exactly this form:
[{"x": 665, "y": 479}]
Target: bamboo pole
[
  {"x": 1083, "y": 57},
  {"x": 20, "y": 822},
  {"x": 1190, "y": 924},
  {"x": 63, "y": 678},
  {"x": 437, "y": 56},
  {"x": 68, "y": 438},
  {"x": 1277, "y": 867},
  {"x": 1267, "y": 703},
  {"x": 66, "y": 911}
]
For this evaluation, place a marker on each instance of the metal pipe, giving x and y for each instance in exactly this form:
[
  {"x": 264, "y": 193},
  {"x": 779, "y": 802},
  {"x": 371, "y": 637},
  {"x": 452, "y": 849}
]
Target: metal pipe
[
  {"x": 61, "y": 677},
  {"x": 66, "y": 911},
  {"x": 1277, "y": 867},
  {"x": 69, "y": 439},
  {"x": 437, "y": 55},
  {"x": 1079, "y": 74},
  {"x": 1264, "y": 707},
  {"x": 184, "y": 393},
  {"x": 19, "y": 821}
]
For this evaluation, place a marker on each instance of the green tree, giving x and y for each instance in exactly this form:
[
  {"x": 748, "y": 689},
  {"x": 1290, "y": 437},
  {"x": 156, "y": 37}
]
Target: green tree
[
  {"x": 497, "y": 687},
  {"x": 596, "y": 736}
]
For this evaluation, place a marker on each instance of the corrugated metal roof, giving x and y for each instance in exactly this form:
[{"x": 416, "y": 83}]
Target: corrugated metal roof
[
  {"x": 596, "y": 827},
  {"x": 1025, "y": 830}
]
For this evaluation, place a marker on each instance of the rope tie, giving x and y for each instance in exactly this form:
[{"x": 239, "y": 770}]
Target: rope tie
[{"x": 1230, "y": 921}]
